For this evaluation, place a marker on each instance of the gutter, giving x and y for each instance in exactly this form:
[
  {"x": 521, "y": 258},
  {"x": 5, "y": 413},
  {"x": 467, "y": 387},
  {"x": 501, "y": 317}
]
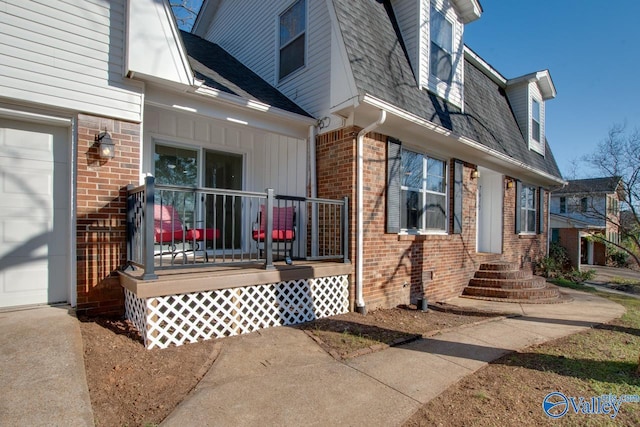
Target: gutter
[
  {"x": 360, "y": 305},
  {"x": 313, "y": 189}
]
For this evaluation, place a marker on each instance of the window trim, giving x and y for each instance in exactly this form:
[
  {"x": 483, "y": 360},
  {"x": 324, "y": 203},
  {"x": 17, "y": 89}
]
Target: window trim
[
  {"x": 424, "y": 192},
  {"x": 535, "y": 102},
  {"x": 280, "y": 47},
  {"x": 432, "y": 70}
]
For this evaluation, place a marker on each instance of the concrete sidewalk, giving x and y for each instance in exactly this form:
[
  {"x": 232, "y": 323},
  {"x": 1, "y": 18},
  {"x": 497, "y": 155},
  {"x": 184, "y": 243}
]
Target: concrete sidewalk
[
  {"x": 42, "y": 374},
  {"x": 280, "y": 377}
]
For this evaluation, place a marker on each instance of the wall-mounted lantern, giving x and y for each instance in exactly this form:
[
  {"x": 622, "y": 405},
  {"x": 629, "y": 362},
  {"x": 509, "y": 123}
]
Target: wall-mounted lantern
[{"x": 106, "y": 146}]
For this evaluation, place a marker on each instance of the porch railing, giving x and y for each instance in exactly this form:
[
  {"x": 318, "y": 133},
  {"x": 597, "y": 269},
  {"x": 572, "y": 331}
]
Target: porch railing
[{"x": 172, "y": 227}]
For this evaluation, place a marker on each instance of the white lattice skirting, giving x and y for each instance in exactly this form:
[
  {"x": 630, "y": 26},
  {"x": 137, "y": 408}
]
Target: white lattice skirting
[{"x": 186, "y": 318}]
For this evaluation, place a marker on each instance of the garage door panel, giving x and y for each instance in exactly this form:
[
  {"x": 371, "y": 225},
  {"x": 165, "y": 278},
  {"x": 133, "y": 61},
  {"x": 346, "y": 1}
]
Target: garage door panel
[
  {"x": 34, "y": 213},
  {"x": 24, "y": 238},
  {"x": 23, "y": 140}
]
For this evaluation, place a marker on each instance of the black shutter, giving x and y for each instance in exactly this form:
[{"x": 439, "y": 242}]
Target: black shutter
[
  {"x": 458, "y": 187},
  {"x": 394, "y": 164},
  {"x": 540, "y": 209},
  {"x": 518, "y": 206}
]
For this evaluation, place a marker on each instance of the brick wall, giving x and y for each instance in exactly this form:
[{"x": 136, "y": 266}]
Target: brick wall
[
  {"x": 101, "y": 212},
  {"x": 396, "y": 266}
]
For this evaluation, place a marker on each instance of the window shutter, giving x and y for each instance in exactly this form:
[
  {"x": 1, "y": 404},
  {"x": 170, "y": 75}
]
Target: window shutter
[
  {"x": 458, "y": 187},
  {"x": 394, "y": 164},
  {"x": 518, "y": 206},
  {"x": 540, "y": 210}
]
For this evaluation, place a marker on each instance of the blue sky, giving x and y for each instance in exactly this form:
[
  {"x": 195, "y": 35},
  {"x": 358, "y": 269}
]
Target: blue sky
[{"x": 591, "y": 48}]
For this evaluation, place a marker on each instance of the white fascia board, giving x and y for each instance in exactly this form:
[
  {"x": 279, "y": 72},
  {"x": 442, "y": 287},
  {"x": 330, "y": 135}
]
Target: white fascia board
[
  {"x": 476, "y": 146},
  {"x": 205, "y": 16},
  {"x": 485, "y": 67},
  {"x": 541, "y": 78},
  {"x": 154, "y": 47},
  {"x": 208, "y": 102},
  {"x": 468, "y": 10}
]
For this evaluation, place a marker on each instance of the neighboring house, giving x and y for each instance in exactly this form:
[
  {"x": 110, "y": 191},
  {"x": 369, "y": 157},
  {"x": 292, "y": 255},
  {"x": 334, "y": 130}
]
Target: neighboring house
[
  {"x": 374, "y": 108},
  {"x": 582, "y": 209}
]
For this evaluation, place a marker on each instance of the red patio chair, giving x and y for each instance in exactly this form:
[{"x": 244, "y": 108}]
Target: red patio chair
[
  {"x": 284, "y": 229},
  {"x": 169, "y": 230}
]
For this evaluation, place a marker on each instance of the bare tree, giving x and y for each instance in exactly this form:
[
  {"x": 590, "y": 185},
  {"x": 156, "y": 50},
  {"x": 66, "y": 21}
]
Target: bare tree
[
  {"x": 185, "y": 12},
  {"x": 618, "y": 155}
]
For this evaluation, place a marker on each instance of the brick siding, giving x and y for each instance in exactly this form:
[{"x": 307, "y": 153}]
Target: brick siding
[
  {"x": 101, "y": 212},
  {"x": 397, "y": 266}
]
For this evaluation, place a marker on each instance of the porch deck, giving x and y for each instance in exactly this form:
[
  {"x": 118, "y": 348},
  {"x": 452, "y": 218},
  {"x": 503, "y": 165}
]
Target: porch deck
[{"x": 217, "y": 277}]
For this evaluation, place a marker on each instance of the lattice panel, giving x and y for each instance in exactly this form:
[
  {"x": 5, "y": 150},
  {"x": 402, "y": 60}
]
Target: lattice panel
[
  {"x": 135, "y": 310},
  {"x": 178, "y": 319}
]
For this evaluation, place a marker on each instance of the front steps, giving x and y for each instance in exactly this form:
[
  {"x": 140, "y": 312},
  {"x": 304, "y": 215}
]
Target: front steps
[{"x": 504, "y": 281}]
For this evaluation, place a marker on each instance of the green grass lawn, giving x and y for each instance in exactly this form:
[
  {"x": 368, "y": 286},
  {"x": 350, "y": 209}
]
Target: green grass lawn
[{"x": 604, "y": 358}]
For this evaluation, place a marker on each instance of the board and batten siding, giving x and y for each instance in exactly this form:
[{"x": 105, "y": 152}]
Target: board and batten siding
[
  {"x": 244, "y": 30},
  {"x": 271, "y": 160},
  {"x": 67, "y": 54}
]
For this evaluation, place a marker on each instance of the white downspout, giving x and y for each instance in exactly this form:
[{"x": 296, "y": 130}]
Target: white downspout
[
  {"x": 313, "y": 189},
  {"x": 360, "y": 306}
]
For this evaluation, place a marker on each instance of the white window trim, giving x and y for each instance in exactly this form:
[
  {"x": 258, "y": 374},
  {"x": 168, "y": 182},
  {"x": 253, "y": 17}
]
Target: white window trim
[
  {"x": 537, "y": 146},
  {"x": 524, "y": 223},
  {"x": 424, "y": 191},
  {"x": 278, "y": 48},
  {"x": 451, "y": 22}
]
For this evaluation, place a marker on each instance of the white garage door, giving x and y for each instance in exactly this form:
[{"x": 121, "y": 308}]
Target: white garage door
[{"x": 34, "y": 213}]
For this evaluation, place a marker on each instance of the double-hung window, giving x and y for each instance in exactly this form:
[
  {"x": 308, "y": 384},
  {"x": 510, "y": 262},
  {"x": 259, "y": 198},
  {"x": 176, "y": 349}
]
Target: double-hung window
[
  {"x": 441, "y": 31},
  {"x": 535, "y": 120},
  {"x": 423, "y": 205},
  {"x": 528, "y": 209},
  {"x": 292, "y": 39}
]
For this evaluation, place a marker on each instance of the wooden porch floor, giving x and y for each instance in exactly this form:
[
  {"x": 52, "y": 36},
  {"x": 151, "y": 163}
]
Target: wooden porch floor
[{"x": 207, "y": 278}]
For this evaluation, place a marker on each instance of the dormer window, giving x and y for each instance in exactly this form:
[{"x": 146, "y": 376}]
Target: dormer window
[
  {"x": 535, "y": 120},
  {"x": 292, "y": 39},
  {"x": 441, "y": 46}
]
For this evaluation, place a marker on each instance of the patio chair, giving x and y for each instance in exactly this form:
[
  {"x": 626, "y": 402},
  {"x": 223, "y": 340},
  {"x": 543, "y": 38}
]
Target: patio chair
[
  {"x": 170, "y": 231},
  {"x": 284, "y": 229}
]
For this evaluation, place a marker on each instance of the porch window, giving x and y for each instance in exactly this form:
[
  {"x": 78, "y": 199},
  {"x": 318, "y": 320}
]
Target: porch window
[
  {"x": 423, "y": 189},
  {"x": 292, "y": 39},
  {"x": 177, "y": 166},
  {"x": 441, "y": 31}
]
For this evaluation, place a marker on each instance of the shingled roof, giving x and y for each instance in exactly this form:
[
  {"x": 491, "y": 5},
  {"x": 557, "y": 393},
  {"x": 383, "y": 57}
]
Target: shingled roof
[
  {"x": 607, "y": 185},
  {"x": 221, "y": 71},
  {"x": 381, "y": 69}
]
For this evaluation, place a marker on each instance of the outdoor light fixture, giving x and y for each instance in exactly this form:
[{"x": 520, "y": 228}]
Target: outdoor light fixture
[
  {"x": 475, "y": 174},
  {"x": 509, "y": 183},
  {"x": 106, "y": 146}
]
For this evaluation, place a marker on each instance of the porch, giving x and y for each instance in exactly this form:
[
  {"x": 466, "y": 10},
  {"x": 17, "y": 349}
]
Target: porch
[{"x": 226, "y": 262}]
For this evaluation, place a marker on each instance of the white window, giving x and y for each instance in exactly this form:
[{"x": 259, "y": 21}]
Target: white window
[
  {"x": 423, "y": 193},
  {"x": 535, "y": 120},
  {"x": 440, "y": 60},
  {"x": 292, "y": 39},
  {"x": 528, "y": 209}
]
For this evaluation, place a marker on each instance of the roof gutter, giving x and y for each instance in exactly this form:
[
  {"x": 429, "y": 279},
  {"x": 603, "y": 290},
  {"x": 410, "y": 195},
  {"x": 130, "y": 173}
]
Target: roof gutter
[
  {"x": 405, "y": 115},
  {"x": 360, "y": 305}
]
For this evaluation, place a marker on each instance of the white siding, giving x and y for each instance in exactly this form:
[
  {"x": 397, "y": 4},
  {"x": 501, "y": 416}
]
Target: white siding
[
  {"x": 519, "y": 100},
  {"x": 451, "y": 92},
  {"x": 154, "y": 47},
  {"x": 534, "y": 92},
  {"x": 67, "y": 54},
  {"x": 271, "y": 160},
  {"x": 408, "y": 15},
  {"x": 249, "y": 32}
]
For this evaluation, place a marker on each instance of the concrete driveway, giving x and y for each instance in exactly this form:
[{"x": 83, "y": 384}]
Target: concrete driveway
[{"x": 607, "y": 274}]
